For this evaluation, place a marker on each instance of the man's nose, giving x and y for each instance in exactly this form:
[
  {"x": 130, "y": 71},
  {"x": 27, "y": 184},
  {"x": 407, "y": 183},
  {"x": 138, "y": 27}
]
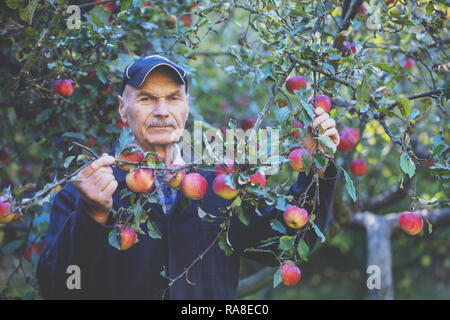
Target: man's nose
[{"x": 161, "y": 109}]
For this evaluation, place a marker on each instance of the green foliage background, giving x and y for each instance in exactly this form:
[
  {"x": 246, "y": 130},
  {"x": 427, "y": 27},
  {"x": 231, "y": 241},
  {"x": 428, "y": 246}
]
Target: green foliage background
[{"x": 235, "y": 53}]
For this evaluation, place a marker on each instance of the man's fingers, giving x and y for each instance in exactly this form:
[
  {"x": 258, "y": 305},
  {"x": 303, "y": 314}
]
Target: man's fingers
[
  {"x": 333, "y": 134},
  {"x": 103, "y": 182},
  {"x": 319, "y": 119},
  {"x": 327, "y": 124},
  {"x": 318, "y": 111},
  {"x": 110, "y": 188},
  {"x": 103, "y": 161}
]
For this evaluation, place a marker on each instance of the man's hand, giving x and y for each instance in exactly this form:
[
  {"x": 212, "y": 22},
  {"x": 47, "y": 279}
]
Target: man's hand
[
  {"x": 97, "y": 186},
  {"x": 328, "y": 124}
]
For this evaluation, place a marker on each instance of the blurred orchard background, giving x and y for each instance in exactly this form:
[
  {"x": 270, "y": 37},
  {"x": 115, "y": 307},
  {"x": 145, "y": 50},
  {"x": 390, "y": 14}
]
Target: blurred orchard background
[{"x": 384, "y": 65}]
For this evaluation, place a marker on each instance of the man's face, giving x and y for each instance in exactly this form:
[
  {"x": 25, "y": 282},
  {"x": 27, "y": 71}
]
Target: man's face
[{"x": 157, "y": 111}]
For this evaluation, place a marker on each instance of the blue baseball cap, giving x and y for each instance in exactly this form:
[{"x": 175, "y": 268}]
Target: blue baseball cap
[{"x": 136, "y": 72}]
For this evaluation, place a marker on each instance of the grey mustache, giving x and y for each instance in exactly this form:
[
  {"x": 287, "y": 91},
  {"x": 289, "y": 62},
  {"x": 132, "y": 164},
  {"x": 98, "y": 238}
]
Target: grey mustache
[{"x": 161, "y": 124}]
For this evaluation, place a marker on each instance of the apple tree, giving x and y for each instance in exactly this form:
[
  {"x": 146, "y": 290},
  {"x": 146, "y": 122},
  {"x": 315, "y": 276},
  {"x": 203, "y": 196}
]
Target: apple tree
[{"x": 379, "y": 67}]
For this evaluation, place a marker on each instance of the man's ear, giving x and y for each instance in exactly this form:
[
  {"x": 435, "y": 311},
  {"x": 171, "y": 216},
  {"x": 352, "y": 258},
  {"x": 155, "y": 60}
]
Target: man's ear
[{"x": 123, "y": 114}]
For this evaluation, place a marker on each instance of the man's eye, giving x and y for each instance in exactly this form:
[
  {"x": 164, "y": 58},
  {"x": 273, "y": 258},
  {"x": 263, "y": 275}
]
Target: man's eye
[
  {"x": 175, "y": 98},
  {"x": 145, "y": 99}
]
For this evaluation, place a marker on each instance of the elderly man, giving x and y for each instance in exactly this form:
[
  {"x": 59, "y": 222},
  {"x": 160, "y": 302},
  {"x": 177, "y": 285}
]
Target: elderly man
[{"x": 155, "y": 104}]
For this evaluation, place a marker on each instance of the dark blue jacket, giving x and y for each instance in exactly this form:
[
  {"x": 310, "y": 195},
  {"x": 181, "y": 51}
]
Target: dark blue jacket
[{"x": 74, "y": 238}]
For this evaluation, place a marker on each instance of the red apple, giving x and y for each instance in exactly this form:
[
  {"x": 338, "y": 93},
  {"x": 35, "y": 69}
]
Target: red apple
[
  {"x": 25, "y": 170},
  {"x": 176, "y": 177},
  {"x": 127, "y": 237},
  {"x": 226, "y": 169},
  {"x": 358, "y": 167},
  {"x": 347, "y": 141},
  {"x": 186, "y": 19},
  {"x": 5, "y": 206},
  {"x": 348, "y": 48},
  {"x": 90, "y": 74},
  {"x": 243, "y": 101},
  {"x": 258, "y": 177},
  {"x": 295, "y": 159},
  {"x": 194, "y": 186},
  {"x": 295, "y": 217},
  {"x": 297, "y": 125},
  {"x": 353, "y": 132},
  {"x": 410, "y": 222},
  {"x": 225, "y": 106},
  {"x": 222, "y": 189},
  {"x": 120, "y": 124},
  {"x": 290, "y": 274},
  {"x": 362, "y": 9},
  {"x": 132, "y": 152},
  {"x": 408, "y": 63},
  {"x": 63, "y": 87},
  {"x": 29, "y": 251},
  {"x": 110, "y": 6},
  {"x": 323, "y": 102},
  {"x": 140, "y": 180},
  {"x": 146, "y": 4},
  {"x": 5, "y": 156},
  {"x": 108, "y": 91},
  {"x": 248, "y": 123},
  {"x": 295, "y": 83}
]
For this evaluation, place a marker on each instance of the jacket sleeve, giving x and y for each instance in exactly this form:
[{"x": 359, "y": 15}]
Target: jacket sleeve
[
  {"x": 259, "y": 228},
  {"x": 73, "y": 238}
]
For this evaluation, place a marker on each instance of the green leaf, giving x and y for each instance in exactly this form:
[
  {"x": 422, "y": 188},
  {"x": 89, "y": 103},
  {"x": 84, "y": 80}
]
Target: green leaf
[
  {"x": 407, "y": 165},
  {"x": 327, "y": 144},
  {"x": 102, "y": 69},
  {"x": 112, "y": 239},
  {"x": 349, "y": 187},
  {"x": 281, "y": 114},
  {"x": 153, "y": 230},
  {"x": 74, "y": 135},
  {"x": 237, "y": 202},
  {"x": 14, "y": 4},
  {"x": 286, "y": 243},
  {"x": 243, "y": 216},
  {"x": 125, "y": 4},
  {"x": 126, "y": 138},
  {"x": 405, "y": 106},
  {"x": 430, "y": 226},
  {"x": 12, "y": 246},
  {"x": 303, "y": 249},
  {"x": 277, "y": 226},
  {"x": 362, "y": 92},
  {"x": 385, "y": 67},
  {"x": 317, "y": 231},
  {"x": 224, "y": 244},
  {"x": 206, "y": 216},
  {"x": 277, "y": 277},
  {"x": 68, "y": 161},
  {"x": 27, "y": 13},
  {"x": 306, "y": 161}
]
